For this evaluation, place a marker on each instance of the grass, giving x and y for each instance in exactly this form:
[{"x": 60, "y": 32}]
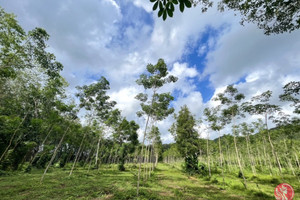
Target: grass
[{"x": 167, "y": 182}]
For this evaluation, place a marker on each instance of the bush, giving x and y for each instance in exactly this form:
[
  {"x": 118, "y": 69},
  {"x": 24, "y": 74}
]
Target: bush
[
  {"x": 191, "y": 165},
  {"x": 215, "y": 181},
  {"x": 240, "y": 174},
  {"x": 203, "y": 170},
  {"x": 275, "y": 181},
  {"x": 28, "y": 169},
  {"x": 121, "y": 167},
  {"x": 4, "y": 173}
]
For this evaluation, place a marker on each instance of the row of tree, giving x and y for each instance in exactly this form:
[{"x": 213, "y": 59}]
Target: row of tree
[
  {"x": 39, "y": 123},
  {"x": 230, "y": 110}
]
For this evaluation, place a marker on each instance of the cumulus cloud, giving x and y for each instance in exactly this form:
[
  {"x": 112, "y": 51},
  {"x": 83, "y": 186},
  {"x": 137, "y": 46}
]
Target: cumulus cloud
[
  {"x": 246, "y": 50},
  {"x": 118, "y": 38}
]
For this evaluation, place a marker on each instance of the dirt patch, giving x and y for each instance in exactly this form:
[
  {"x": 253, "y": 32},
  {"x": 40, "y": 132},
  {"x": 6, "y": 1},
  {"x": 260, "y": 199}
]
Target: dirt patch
[
  {"x": 166, "y": 194},
  {"x": 109, "y": 196}
]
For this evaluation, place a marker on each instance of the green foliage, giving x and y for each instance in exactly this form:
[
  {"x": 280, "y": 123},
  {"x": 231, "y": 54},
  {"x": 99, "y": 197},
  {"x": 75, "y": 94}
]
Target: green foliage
[
  {"x": 231, "y": 99},
  {"x": 126, "y": 139},
  {"x": 291, "y": 94},
  {"x": 158, "y": 107},
  {"x": 167, "y": 7},
  {"x": 186, "y": 139},
  {"x": 11, "y": 48},
  {"x": 93, "y": 98}
]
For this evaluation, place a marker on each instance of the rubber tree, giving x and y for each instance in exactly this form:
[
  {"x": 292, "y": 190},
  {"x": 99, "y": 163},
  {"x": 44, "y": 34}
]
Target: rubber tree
[
  {"x": 260, "y": 105},
  {"x": 157, "y": 143},
  {"x": 216, "y": 124},
  {"x": 69, "y": 115},
  {"x": 230, "y": 100},
  {"x": 155, "y": 106},
  {"x": 25, "y": 91},
  {"x": 246, "y": 130},
  {"x": 95, "y": 101},
  {"x": 126, "y": 138}
]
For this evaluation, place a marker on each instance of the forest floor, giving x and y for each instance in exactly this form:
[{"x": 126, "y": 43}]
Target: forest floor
[{"x": 167, "y": 182}]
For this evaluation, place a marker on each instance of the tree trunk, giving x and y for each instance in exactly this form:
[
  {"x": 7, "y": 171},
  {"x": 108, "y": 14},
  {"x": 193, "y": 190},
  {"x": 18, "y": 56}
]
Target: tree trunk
[
  {"x": 239, "y": 162},
  {"x": 150, "y": 161},
  {"x": 77, "y": 154},
  {"x": 208, "y": 157},
  {"x": 266, "y": 157},
  {"x": 35, "y": 155},
  {"x": 258, "y": 156},
  {"x": 97, "y": 153},
  {"x": 12, "y": 138},
  {"x": 297, "y": 160},
  {"x": 141, "y": 155},
  {"x": 54, "y": 154},
  {"x": 250, "y": 155},
  {"x": 272, "y": 147},
  {"x": 221, "y": 158},
  {"x": 237, "y": 155},
  {"x": 288, "y": 159}
]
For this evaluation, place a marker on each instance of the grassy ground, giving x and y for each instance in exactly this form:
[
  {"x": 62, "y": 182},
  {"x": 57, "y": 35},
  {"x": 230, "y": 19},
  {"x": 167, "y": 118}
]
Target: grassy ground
[{"x": 168, "y": 182}]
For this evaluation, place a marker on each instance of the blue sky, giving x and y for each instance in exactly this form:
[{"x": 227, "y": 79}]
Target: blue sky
[{"x": 118, "y": 38}]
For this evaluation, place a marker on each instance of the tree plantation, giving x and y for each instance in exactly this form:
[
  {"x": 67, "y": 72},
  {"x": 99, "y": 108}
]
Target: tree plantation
[{"x": 57, "y": 145}]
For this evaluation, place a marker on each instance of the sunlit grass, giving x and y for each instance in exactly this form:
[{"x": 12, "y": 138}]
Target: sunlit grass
[{"x": 167, "y": 182}]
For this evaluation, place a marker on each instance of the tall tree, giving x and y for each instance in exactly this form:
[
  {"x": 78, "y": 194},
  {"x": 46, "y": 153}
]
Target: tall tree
[
  {"x": 247, "y": 130},
  {"x": 215, "y": 124},
  {"x": 126, "y": 138},
  {"x": 260, "y": 106},
  {"x": 186, "y": 138},
  {"x": 231, "y": 98},
  {"x": 156, "y": 142},
  {"x": 157, "y": 108},
  {"x": 96, "y": 102}
]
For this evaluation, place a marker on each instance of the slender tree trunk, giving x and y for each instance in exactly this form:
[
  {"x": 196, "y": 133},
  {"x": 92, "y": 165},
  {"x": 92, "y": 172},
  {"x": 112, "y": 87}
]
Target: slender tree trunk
[
  {"x": 266, "y": 157},
  {"x": 272, "y": 147},
  {"x": 237, "y": 154},
  {"x": 250, "y": 155},
  {"x": 288, "y": 159},
  {"x": 97, "y": 153},
  {"x": 150, "y": 161},
  {"x": 141, "y": 155},
  {"x": 35, "y": 155},
  {"x": 12, "y": 138},
  {"x": 146, "y": 162},
  {"x": 54, "y": 154},
  {"x": 77, "y": 154},
  {"x": 208, "y": 155},
  {"x": 297, "y": 160},
  {"x": 258, "y": 156},
  {"x": 156, "y": 159},
  {"x": 239, "y": 162},
  {"x": 229, "y": 161},
  {"x": 221, "y": 157}
]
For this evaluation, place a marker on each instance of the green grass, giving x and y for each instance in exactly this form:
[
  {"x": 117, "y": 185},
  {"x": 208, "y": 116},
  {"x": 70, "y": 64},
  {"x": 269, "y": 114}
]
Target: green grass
[{"x": 167, "y": 182}]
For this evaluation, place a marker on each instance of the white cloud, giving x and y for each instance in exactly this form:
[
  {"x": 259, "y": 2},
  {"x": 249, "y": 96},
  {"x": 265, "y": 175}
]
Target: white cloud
[
  {"x": 245, "y": 50},
  {"x": 126, "y": 101},
  {"x": 112, "y": 38}
]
